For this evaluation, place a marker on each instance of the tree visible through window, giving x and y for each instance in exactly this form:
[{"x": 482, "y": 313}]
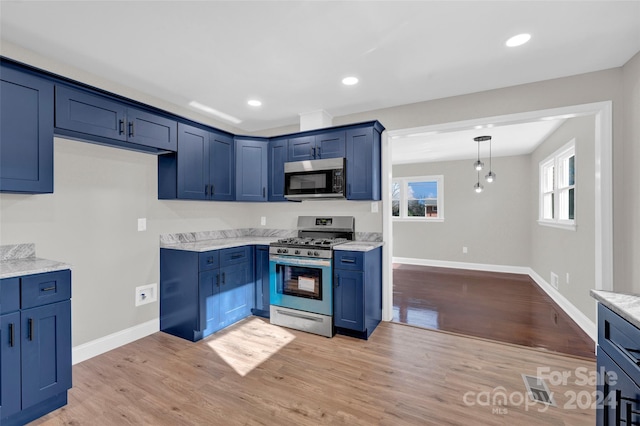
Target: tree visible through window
[{"x": 417, "y": 198}]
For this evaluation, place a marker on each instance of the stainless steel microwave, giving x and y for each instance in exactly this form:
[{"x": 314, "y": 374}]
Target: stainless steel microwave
[{"x": 314, "y": 179}]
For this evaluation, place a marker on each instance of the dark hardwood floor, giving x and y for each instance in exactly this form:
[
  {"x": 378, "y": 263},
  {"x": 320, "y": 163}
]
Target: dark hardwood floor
[{"x": 503, "y": 307}]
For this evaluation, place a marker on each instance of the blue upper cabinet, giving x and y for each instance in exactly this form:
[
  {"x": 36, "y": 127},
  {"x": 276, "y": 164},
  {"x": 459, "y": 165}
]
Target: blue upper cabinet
[
  {"x": 26, "y": 132},
  {"x": 98, "y": 118},
  {"x": 192, "y": 163},
  {"x": 363, "y": 163},
  {"x": 330, "y": 145},
  {"x": 221, "y": 167},
  {"x": 252, "y": 174},
  {"x": 148, "y": 129},
  {"x": 277, "y": 158},
  {"x": 324, "y": 145},
  {"x": 301, "y": 148},
  {"x": 87, "y": 113},
  {"x": 204, "y": 166}
]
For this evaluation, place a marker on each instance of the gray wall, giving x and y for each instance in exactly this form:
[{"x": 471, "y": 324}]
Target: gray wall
[
  {"x": 626, "y": 193},
  {"x": 619, "y": 85},
  {"x": 493, "y": 225},
  {"x": 559, "y": 250}
]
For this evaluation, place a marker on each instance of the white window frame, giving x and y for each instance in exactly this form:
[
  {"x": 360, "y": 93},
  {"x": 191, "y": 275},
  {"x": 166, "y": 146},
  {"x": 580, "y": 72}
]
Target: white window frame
[
  {"x": 404, "y": 211},
  {"x": 557, "y": 161}
]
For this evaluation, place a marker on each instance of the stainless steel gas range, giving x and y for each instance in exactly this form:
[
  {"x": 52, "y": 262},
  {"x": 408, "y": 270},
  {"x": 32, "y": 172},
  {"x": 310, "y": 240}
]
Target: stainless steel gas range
[{"x": 301, "y": 277}]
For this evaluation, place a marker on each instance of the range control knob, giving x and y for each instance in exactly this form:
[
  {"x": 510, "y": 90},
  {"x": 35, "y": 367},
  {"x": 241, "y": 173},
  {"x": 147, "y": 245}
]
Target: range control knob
[
  {"x": 315, "y": 253},
  {"x": 279, "y": 250},
  {"x": 285, "y": 250},
  {"x": 297, "y": 252},
  {"x": 309, "y": 253}
]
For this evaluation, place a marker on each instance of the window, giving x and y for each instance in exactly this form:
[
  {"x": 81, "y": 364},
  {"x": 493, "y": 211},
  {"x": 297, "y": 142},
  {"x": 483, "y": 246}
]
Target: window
[
  {"x": 417, "y": 198},
  {"x": 557, "y": 188}
]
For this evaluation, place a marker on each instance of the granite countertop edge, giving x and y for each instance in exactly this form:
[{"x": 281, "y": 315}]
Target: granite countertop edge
[
  {"x": 11, "y": 268},
  {"x": 625, "y": 305},
  {"x": 221, "y": 243}
]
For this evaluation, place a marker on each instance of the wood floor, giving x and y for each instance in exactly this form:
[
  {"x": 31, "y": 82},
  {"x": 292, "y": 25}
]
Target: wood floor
[
  {"x": 504, "y": 307},
  {"x": 254, "y": 373}
]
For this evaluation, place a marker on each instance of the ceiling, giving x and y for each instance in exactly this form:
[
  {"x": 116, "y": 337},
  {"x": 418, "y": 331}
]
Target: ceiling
[
  {"x": 292, "y": 55},
  {"x": 506, "y": 140}
]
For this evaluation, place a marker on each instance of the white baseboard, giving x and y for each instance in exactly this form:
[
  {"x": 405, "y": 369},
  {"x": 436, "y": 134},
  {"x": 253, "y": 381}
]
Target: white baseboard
[
  {"x": 105, "y": 344},
  {"x": 463, "y": 265},
  {"x": 574, "y": 313}
]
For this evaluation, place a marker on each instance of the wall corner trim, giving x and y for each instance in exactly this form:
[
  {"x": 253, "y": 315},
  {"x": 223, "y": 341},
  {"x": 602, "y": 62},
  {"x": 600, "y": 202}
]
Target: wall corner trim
[{"x": 104, "y": 344}]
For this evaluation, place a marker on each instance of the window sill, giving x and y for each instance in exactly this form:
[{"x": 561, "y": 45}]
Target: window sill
[
  {"x": 566, "y": 226},
  {"x": 418, "y": 219}
]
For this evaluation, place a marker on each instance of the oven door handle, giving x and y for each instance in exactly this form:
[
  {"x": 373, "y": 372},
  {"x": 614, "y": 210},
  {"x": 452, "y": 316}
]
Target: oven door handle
[{"x": 299, "y": 261}]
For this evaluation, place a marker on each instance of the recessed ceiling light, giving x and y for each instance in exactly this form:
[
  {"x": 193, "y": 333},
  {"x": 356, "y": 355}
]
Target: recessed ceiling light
[
  {"x": 254, "y": 102},
  {"x": 350, "y": 81},
  {"x": 518, "y": 40},
  {"x": 215, "y": 112}
]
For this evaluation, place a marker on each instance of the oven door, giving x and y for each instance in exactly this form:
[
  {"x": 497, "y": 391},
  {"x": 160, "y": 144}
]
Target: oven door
[{"x": 301, "y": 283}]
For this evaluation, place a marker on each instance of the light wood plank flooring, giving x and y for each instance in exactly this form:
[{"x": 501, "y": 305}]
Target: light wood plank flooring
[
  {"x": 254, "y": 373},
  {"x": 498, "y": 306}
]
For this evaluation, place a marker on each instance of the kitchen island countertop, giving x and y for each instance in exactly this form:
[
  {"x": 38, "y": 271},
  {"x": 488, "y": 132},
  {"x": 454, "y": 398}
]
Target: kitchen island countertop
[{"x": 625, "y": 305}]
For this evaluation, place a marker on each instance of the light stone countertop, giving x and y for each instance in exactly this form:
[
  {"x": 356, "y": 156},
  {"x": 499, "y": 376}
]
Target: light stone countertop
[
  {"x": 625, "y": 305},
  {"x": 359, "y": 245},
  {"x": 20, "y": 259},
  {"x": 218, "y": 243}
]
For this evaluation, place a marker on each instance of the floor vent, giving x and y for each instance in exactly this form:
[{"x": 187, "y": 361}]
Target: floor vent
[{"x": 538, "y": 390}]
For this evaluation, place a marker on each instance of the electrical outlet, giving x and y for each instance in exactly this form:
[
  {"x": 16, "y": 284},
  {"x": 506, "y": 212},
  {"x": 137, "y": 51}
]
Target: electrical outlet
[
  {"x": 263, "y": 220},
  {"x": 374, "y": 207},
  {"x": 465, "y": 250},
  {"x": 554, "y": 280},
  {"x": 567, "y": 278},
  {"x": 146, "y": 294},
  {"x": 142, "y": 224}
]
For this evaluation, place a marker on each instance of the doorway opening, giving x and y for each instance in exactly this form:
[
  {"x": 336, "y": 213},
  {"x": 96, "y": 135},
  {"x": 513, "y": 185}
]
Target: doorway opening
[{"x": 601, "y": 203}]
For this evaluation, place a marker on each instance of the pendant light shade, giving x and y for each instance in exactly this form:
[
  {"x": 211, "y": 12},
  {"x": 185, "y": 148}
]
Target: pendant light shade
[{"x": 479, "y": 165}]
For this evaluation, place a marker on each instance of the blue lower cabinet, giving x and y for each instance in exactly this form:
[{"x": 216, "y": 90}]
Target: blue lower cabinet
[
  {"x": 357, "y": 293},
  {"x": 262, "y": 300},
  {"x": 201, "y": 293},
  {"x": 35, "y": 347}
]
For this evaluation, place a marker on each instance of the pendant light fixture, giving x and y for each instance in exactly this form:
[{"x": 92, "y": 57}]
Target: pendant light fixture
[
  {"x": 478, "y": 165},
  {"x": 490, "y": 177}
]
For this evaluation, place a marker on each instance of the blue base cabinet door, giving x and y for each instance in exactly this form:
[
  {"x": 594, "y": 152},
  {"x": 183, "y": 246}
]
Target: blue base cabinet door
[
  {"x": 26, "y": 132},
  {"x": 357, "y": 293},
  {"x": 46, "y": 352},
  {"x": 35, "y": 345},
  {"x": 10, "y": 398},
  {"x": 262, "y": 291}
]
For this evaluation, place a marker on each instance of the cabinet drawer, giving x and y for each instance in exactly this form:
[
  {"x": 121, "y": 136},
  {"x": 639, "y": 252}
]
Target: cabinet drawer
[
  {"x": 235, "y": 255},
  {"x": 352, "y": 260},
  {"x": 42, "y": 289},
  {"x": 209, "y": 260},
  {"x": 621, "y": 340},
  {"x": 9, "y": 295}
]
